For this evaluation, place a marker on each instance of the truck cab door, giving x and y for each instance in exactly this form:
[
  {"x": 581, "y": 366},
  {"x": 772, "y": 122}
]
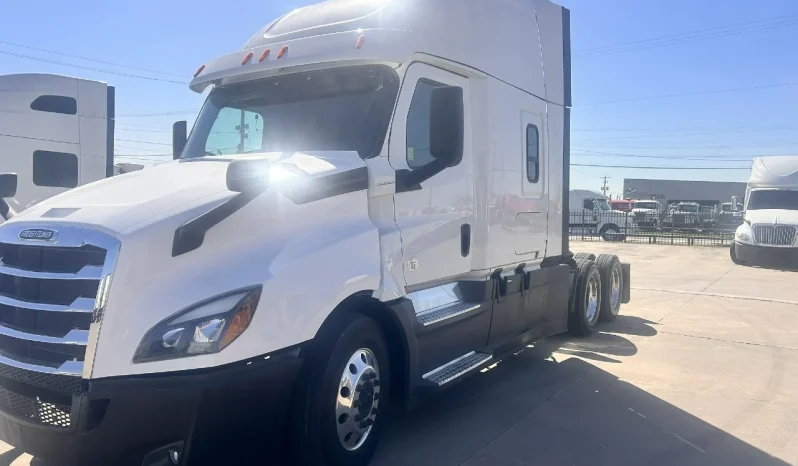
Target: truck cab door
[{"x": 435, "y": 218}]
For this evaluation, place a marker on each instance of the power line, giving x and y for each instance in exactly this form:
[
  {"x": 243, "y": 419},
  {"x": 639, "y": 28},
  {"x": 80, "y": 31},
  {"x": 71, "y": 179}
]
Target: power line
[
  {"x": 82, "y": 67},
  {"x": 175, "y": 112},
  {"x": 743, "y": 158},
  {"x": 691, "y": 36},
  {"x": 687, "y": 94},
  {"x": 659, "y": 168},
  {"x": 695, "y": 133},
  {"x": 144, "y": 130},
  {"x": 91, "y": 59},
  {"x": 144, "y": 142}
]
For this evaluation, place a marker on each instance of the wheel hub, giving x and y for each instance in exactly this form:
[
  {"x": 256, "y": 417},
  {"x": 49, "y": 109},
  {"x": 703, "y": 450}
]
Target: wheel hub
[
  {"x": 615, "y": 289},
  {"x": 356, "y": 406},
  {"x": 592, "y": 300}
]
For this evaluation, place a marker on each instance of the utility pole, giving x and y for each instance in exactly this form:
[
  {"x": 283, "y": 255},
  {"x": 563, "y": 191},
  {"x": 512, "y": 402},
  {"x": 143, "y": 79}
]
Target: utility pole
[
  {"x": 242, "y": 132},
  {"x": 605, "y": 188}
]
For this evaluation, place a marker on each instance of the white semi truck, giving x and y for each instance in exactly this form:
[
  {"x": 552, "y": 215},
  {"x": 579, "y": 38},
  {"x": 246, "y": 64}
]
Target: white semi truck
[
  {"x": 770, "y": 219},
  {"x": 56, "y": 133},
  {"x": 591, "y": 214},
  {"x": 372, "y": 205}
]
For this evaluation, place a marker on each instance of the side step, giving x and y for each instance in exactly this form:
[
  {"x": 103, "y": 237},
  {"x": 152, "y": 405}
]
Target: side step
[
  {"x": 454, "y": 369},
  {"x": 444, "y": 312}
]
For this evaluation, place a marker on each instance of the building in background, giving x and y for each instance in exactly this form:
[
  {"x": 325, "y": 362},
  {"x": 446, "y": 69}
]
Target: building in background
[{"x": 707, "y": 193}]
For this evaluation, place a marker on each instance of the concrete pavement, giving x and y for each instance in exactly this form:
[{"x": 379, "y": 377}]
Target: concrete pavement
[{"x": 701, "y": 368}]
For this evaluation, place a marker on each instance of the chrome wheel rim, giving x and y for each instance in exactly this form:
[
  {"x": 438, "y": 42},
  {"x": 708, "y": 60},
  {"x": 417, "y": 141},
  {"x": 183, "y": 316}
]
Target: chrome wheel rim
[
  {"x": 592, "y": 299},
  {"x": 615, "y": 289},
  {"x": 358, "y": 399}
]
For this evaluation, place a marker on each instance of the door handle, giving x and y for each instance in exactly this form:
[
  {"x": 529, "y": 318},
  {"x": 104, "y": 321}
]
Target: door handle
[{"x": 465, "y": 239}]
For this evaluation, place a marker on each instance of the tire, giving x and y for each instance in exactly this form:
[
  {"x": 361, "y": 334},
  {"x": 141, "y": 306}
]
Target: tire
[
  {"x": 734, "y": 258},
  {"x": 610, "y": 233},
  {"x": 611, "y": 286},
  {"x": 344, "y": 344},
  {"x": 584, "y": 255},
  {"x": 581, "y": 320}
]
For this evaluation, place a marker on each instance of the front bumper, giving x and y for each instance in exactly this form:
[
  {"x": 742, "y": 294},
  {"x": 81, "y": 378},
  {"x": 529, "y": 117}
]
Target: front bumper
[
  {"x": 211, "y": 415},
  {"x": 754, "y": 253}
]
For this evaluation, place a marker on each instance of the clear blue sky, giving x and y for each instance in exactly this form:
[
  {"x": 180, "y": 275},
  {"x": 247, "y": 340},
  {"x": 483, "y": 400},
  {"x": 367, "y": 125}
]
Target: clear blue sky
[{"x": 176, "y": 36}]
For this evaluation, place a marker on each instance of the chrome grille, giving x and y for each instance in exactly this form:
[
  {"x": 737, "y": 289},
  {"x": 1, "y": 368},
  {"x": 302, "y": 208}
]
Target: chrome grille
[
  {"x": 52, "y": 295},
  {"x": 775, "y": 235}
]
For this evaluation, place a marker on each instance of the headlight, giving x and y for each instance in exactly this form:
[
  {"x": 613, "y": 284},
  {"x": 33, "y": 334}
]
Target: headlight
[
  {"x": 744, "y": 234},
  {"x": 207, "y": 327}
]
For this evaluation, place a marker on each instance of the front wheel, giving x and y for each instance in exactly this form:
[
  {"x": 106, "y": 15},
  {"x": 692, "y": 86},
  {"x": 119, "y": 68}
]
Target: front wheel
[
  {"x": 343, "y": 395},
  {"x": 610, "y": 233}
]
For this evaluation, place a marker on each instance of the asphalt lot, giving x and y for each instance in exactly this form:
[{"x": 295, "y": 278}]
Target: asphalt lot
[{"x": 701, "y": 368}]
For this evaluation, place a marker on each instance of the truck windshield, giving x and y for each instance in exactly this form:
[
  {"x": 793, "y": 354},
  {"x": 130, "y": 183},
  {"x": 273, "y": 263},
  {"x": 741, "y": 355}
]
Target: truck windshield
[
  {"x": 773, "y": 199},
  {"x": 603, "y": 204},
  {"x": 342, "y": 109},
  {"x": 688, "y": 208},
  {"x": 646, "y": 205}
]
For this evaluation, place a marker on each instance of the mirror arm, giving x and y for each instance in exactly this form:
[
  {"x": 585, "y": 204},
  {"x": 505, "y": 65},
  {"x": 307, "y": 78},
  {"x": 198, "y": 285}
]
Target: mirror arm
[{"x": 410, "y": 180}]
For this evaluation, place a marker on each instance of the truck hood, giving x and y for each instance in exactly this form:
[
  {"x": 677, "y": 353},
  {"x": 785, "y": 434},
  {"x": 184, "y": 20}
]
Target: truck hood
[
  {"x": 769, "y": 216},
  {"x": 119, "y": 203}
]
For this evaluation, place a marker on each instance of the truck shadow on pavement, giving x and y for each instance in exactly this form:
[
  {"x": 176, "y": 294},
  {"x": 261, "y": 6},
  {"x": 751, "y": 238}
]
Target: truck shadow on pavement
[
  {"x": 539, "y": 407},
  {"x": 544, "y": 407}
]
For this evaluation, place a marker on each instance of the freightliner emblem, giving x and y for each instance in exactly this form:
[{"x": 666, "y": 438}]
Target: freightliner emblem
[{"x": 38, "y": 234}]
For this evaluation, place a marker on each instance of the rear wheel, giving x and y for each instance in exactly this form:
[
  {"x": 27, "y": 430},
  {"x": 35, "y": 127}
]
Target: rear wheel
[
  {"x": 584, "y": 255},
  {"x": 343, "y": 393},
  {"x": 611, "y": 286},
  {"x": 587, "y": 305}
]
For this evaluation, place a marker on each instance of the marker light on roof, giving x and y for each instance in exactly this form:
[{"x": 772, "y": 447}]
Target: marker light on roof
[
  {"x": 247, "y": 58},
  {"x": 199, "y": 70},
  {"x": 282, "y": 51},
  {"x": 360, "y": 41},
  {"x": 264, "y": 54}
]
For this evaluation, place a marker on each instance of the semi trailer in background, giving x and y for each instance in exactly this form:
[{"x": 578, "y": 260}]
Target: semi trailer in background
[
  {"x": 56, "y": 133},
  {"x": 281, "y": 289}
]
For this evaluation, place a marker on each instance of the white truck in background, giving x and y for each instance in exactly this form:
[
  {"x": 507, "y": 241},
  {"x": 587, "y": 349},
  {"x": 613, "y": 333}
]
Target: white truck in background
[
  {"x": 372, "y": 205},
  {"x": 591, "y": 214},
  {"x": 769, "y": 232},
  {"x": 56, "y": 133},
  {"x": 647, "y": 213}
]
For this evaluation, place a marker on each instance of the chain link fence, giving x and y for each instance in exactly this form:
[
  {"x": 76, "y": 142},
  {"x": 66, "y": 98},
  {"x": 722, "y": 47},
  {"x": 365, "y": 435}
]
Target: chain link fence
[{"x": 700, "y": 228}]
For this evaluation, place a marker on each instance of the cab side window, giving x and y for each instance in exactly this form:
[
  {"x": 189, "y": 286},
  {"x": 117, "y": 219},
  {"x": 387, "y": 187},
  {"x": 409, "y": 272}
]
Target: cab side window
[
  {"x": 588, "y": 204},
  {"x": 418, "y": 119}
]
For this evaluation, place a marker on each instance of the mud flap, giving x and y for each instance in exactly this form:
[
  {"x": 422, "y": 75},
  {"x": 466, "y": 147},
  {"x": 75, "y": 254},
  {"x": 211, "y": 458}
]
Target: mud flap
[{"x": 627, "y": 282}]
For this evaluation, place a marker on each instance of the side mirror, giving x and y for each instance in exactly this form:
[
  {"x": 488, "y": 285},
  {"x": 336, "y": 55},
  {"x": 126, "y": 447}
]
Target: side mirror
[
  {"x": 446, "y": 124},
  {"x": 248, "y": 176},
  {"x": 8, "y": 184},
  {"x": 179, "y": 137}
]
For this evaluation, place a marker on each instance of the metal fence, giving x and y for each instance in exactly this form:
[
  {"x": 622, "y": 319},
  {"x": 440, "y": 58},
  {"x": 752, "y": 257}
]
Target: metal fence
[{"x": 703, "y": 228}]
